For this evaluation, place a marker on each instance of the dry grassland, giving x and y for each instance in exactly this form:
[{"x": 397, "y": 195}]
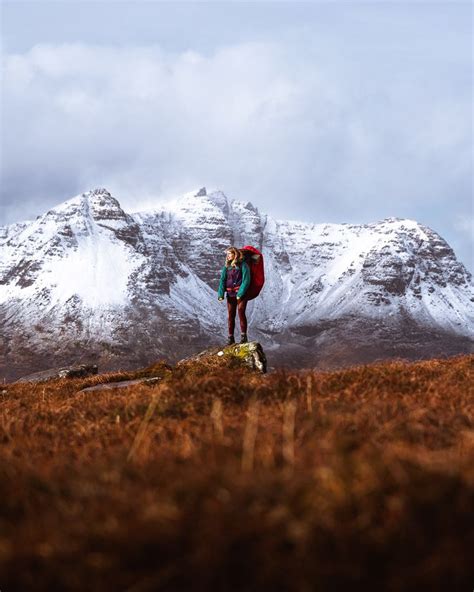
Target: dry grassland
[{"x": 220, "y": 479}]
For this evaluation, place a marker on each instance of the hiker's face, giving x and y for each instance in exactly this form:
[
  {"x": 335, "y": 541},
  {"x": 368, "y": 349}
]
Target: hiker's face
[{"x": 230, "y": 255}]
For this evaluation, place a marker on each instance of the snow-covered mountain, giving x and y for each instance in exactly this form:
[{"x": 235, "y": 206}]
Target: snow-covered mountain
[{"x": 87, "y": 281}]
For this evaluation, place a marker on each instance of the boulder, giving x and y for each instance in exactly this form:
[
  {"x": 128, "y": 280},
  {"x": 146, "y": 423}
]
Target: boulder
[
  {"x": 80, "y": 371},
  {"x": 249, "y": 355}
]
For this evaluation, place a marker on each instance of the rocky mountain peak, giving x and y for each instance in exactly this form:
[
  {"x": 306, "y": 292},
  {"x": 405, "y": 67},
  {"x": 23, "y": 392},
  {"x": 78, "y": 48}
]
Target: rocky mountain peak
[
  {"x": 249, "y": 206},
  {"x": 100, "y": 191},
  {"x": 219, "y": 199},
  {"x": 102, "y": 206},
  {"x": 96, "y": 203}
]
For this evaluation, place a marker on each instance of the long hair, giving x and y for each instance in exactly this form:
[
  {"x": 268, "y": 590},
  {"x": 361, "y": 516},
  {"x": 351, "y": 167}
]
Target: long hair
[{"x": 237, "y": 257}]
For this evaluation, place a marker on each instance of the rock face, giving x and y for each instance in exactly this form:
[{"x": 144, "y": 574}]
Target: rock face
[
  {"x": 87, "y": 282},
  {"x": 251, "y": 354}
]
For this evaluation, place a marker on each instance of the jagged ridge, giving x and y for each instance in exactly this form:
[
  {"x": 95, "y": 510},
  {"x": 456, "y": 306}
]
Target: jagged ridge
[{"x": 88, "y": 280}]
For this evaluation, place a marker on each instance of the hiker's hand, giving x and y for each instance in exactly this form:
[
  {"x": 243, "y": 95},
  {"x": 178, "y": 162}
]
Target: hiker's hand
[
  {"x": 238, "y": 298},
  {"x": 220, "y": 299}
]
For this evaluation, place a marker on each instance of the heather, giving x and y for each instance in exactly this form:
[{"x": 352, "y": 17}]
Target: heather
[{"x": 218, "y": 478}]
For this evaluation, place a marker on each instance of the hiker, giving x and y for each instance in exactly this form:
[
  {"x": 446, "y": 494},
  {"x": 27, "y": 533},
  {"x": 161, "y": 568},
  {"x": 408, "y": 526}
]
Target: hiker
[{"x": 235, "y": 280}]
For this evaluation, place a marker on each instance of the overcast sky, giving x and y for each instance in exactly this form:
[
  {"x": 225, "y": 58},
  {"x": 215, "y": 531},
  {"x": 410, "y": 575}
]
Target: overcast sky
[{"x": 317, "y": 111}]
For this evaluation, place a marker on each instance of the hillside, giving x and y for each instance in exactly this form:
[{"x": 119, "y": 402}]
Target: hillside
[{"x": 220, "y": 479}]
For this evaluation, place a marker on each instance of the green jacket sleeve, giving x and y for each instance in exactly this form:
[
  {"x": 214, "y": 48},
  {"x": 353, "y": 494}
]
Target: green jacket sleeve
[
  {"x": 221, "y": 290},
  {"x": 245, "y": 280}
]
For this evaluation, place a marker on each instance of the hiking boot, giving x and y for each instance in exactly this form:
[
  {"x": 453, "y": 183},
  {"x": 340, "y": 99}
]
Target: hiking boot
[
  {"x": 230, "y": 340},
  {"x": 243, "y": 338}
]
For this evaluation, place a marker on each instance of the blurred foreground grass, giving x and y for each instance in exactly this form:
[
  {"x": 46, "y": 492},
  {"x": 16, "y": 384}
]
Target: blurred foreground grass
[{"x": 221, "y": 479}]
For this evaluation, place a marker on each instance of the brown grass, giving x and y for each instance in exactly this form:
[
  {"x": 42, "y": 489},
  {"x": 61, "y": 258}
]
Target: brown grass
[{"x": 218, "y": 479}]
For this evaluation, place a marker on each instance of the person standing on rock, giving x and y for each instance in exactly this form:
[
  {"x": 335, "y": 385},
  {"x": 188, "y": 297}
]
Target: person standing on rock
[{"x": 235, "y": 280}]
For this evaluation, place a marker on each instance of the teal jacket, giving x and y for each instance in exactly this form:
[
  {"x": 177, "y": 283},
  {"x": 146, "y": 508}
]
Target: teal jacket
[{"x": 243, "y": 286}]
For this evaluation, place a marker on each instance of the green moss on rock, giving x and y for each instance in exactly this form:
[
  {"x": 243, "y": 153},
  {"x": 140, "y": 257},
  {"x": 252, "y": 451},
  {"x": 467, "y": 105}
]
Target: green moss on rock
[{"x": 247, "y": 355}]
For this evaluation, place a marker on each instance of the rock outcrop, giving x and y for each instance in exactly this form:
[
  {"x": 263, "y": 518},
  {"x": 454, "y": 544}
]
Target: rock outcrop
[
  {"x": 54, "y": 373},
  {"x": 249, "y": 355}
]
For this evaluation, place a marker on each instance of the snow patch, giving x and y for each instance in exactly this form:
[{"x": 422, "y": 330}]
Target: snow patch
[{"x": 98, "y": 272}]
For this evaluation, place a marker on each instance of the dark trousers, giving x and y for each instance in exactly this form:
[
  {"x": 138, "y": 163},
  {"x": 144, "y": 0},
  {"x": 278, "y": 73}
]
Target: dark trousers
[{"x": 232, "y": 308}]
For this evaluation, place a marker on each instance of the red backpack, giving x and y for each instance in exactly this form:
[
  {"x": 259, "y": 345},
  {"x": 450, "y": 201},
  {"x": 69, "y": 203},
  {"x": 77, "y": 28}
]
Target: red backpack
[{"x": 254, "y": 259}]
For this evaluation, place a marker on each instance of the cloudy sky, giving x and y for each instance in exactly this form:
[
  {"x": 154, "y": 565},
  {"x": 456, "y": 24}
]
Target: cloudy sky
[{"x": 319, "y": 111}]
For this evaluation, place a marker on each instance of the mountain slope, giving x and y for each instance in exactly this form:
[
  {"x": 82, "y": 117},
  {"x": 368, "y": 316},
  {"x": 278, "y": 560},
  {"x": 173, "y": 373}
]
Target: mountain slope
[{"x": 89, "y": 281}]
